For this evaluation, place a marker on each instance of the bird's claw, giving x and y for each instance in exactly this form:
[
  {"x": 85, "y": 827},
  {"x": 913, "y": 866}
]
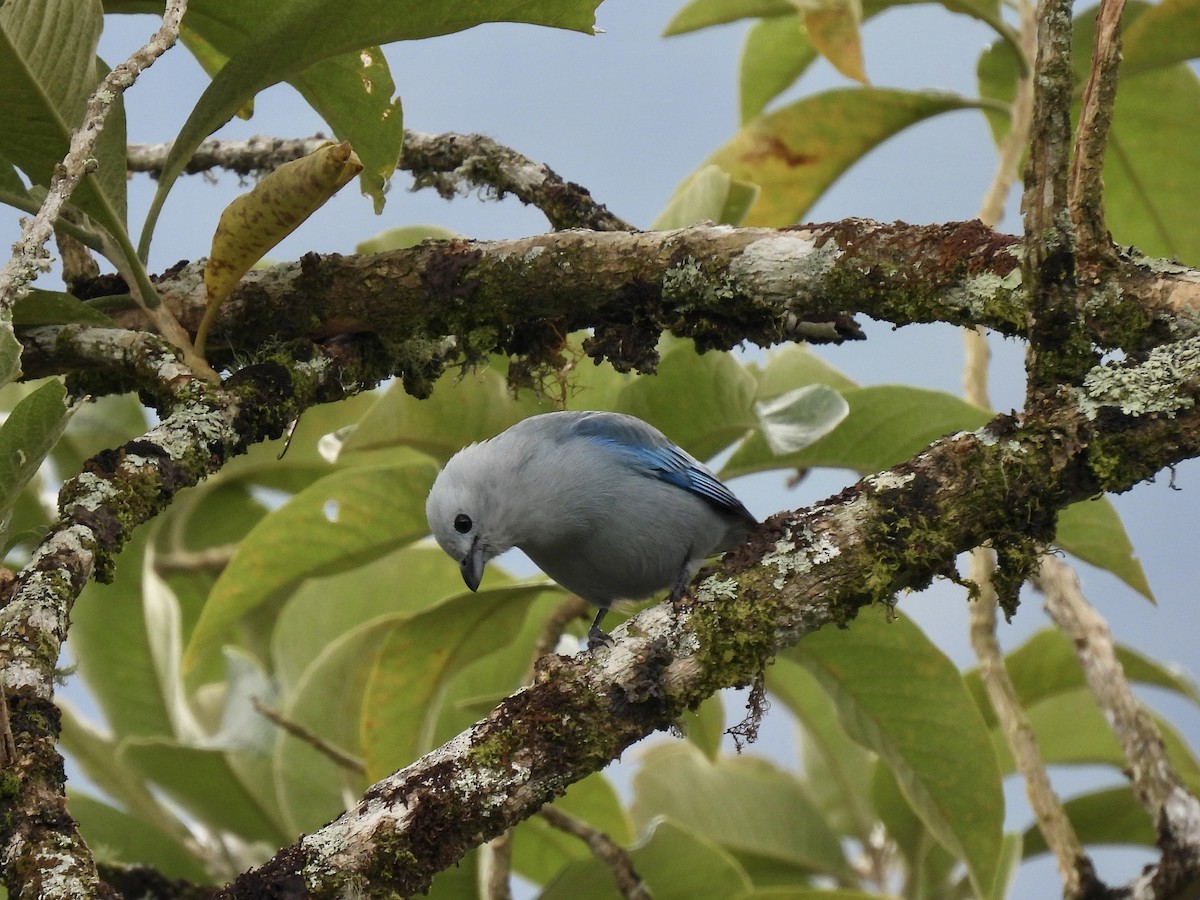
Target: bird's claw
[{"x": 597, "y": 638}]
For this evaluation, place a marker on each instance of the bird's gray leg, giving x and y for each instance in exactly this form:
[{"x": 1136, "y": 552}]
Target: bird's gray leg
[
  {"x": 596, "y": 637},
  {"x": 684, "y": 579}
]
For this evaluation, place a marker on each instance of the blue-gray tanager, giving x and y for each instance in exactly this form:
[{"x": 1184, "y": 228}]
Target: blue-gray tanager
[{"x": 602, "y": 502}]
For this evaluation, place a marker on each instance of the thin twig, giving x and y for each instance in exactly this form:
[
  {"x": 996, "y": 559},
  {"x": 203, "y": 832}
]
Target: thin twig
[
  {"x": 608, "y": 851},
  {"x": 1172, "y": 808},
  {"x": 29, "y": 252},
  {"x": 1086, "y": 192},
  {"x": 210, "y": 559},
  {"x": 339, "y": 756},
  {"x": 1074, "y": 866},
  {"x": 566, "y": 612},
  {"x": 496, "y": 871}
]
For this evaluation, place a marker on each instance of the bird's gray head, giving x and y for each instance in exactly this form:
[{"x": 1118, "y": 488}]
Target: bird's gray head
[{"x": 465, "y": 513}]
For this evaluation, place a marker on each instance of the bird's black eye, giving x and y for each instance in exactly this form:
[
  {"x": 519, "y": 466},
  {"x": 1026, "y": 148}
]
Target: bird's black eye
[{"x": 462, "y": 523}]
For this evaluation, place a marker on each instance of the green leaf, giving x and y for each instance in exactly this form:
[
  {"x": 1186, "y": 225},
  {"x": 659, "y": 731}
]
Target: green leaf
[
  {"x": 126, "y": 637},
  {"x": 797, "y": 152},
  {"x": 751, "y": 808},
  {"x": 95, "y": 753},
  {"x": 837, "y": 769},
  {"x": 1148, "y": 188},
  {"x": 1146, "y": 184},
  {"x": 953, "y": 782},
  {"x": 1071, "y": 729},
  {"x": 40, "y": 307},
  {"x": 26, "y": 436},
  {"x": 1160, "y": 36},
  {"x": 705, "y": 726},
  {"x": 327, "y": 700},
  {"x": 793, "y": 366},
  {"x": 1046, "y": 665},
  {"x": 461, "y": 409},
  {"x": 708, "y": 194},
  {"x": 419, "y": 657},
  {"x": 304, "y": 32},
  {"x": 404, "y": 237},
  {"x": 674, "y": 862},
  {"x": 1093, "y": 531},
  {"x": 117, "y": 837},
  {"x": 48, "y": 67},
  {"x": 719, "y": 391},
  {"x": 207, "y": 784},
  {"x": 776, "y": 52},
  {"x": 310, "y": 619},
  {"x": 10, "y": 351},
  {"x": 928, "y": 861},
  {"x": 885, "y": 426},
  {"x": 344, "y": 520},
  {"x": 1111, "y": 816},
  {"x": 705, "y": 13},
  {"x": 353, "y": 93},
  {"x": 798, "y": 893}
]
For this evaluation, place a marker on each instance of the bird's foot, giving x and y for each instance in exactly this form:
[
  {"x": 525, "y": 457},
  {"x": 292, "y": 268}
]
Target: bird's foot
[{"x": 597, "y": 638}]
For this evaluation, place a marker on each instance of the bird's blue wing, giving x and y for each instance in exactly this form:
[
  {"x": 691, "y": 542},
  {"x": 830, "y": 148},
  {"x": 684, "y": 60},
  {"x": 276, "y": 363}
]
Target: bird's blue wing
[{"x": 651, "y": 453}]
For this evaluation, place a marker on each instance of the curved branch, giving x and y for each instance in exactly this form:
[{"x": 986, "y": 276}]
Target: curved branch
[{"x": 118, "y": 490}]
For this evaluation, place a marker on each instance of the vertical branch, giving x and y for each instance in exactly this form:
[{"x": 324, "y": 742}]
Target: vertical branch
[
  {"x": 1044, "y": 205},
  {"x": 41, "y": 843},
  {"x": 1059, "y": 352},
  {"x": 1086, "y": 189}
]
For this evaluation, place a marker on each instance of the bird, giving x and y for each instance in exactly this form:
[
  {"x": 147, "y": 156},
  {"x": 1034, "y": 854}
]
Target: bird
[{"x": 602, "y": 502}]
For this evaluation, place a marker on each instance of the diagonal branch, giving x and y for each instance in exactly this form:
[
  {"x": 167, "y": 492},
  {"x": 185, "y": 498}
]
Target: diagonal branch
[
  {"x": 29, "y": 253},
  {"x": 1170, "y": 805},
  {"x": 99, "y": 508},
  {"x": 801, "y": 571}
]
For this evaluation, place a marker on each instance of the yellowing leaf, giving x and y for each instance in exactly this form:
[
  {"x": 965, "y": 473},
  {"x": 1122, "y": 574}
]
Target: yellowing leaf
[
  {"x": 257, "y": 221},
  {"x": 833, "y": 31},
  {"x": 796, "y": 152}
]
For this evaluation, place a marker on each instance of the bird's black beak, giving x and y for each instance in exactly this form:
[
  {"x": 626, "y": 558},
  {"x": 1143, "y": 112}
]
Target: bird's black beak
[{"x": 472, "y": 566}]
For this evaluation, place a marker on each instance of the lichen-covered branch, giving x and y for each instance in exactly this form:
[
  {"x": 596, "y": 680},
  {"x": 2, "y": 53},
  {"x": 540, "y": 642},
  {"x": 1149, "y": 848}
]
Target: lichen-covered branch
[
  {"x": 800, "y": 571},
  {"x": 99, "y": 508},
  {"x": 452, "y": 164},
  {"x": 718, "y": 285}
]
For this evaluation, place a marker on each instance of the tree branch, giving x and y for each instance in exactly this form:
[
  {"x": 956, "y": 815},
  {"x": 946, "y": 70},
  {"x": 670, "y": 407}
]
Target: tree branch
[
  {"x": 1171, "y": 806},
  {"x": 801, "y": 571},
  {"x": 118, "y": 490},
  {"x": 452, "y": 164},
  {"x": 29, "y": 257},
  {"x": 1086, "y": 193},
  {"x": 608, "y": 851}
]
